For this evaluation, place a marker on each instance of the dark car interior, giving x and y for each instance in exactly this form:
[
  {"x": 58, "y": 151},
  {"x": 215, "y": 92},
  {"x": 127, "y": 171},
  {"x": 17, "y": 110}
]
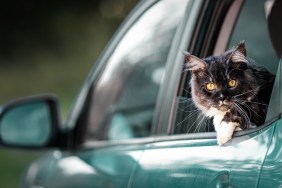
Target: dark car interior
[
  {"x": 275, "y": 27},
  {"x": 188, "y": 119}
]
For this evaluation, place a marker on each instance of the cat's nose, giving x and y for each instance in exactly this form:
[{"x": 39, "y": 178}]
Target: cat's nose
[{"x": 221, "y": 97}]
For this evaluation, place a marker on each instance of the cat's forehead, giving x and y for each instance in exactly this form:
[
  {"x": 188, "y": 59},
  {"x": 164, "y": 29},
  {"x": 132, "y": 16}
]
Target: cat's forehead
[
  {"x": 217, "y": 63},
  {"x": 221, "y": 60},
  {"x": 216, "y": 69}
]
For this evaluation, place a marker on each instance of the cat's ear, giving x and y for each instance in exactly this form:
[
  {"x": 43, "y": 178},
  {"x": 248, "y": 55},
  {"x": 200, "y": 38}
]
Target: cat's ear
[
  {"x": 239, "y": 53},
  {"x": 241, "y": 48},
  {"x": 194, "y": 63}
]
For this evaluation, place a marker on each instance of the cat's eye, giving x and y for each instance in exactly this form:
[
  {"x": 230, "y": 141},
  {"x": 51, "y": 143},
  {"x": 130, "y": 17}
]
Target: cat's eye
[
  {"x": 210, "y": 86},
  {"x": 232, "y": 83}
]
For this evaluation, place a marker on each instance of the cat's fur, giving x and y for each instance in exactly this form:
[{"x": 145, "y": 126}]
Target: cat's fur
[{"x": 232, "y": 108}]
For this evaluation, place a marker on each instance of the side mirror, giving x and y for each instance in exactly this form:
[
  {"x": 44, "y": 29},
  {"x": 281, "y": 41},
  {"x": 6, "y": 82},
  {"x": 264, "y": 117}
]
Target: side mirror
[{"x": 29, "y": 123}]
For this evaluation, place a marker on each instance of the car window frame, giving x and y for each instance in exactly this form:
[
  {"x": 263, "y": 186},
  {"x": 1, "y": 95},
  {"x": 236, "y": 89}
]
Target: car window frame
[
  {"x": 167, "y": 131},
  {"x": 101, "y": 62},
  {"x": 167, "y": 93},
  {"x": 189, "y": 41},
  {"x": 74, "y": 122}
]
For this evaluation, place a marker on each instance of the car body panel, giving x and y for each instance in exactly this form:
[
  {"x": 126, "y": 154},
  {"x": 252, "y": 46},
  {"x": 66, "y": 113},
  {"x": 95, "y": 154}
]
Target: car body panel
[
  {"x": 202, "y": 163},
  {"x": 105, "y": 167},
  {"x": 271, "y": 173}
]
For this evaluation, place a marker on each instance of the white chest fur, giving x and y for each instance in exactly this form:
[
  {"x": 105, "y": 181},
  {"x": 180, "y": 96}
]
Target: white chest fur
[
  {"x": 217, "y": 116},
  {"x": 224, "y": 129}
]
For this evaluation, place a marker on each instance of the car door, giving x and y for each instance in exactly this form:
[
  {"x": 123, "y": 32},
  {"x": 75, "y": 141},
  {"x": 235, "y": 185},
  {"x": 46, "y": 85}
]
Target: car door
[
  {"x": 187, "y": 157},
  {"x": 111, "y": 121},
  {"x": 271, "y": 172}
]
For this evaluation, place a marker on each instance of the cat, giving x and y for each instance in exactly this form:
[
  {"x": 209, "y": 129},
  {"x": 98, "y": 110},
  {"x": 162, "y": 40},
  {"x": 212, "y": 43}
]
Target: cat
[{"x": 231, "y": 89}]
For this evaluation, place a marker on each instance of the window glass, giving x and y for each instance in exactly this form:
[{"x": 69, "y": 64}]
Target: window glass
[
  {"x": 251, "y": 26},
  {"x": 123, "y": 99}
]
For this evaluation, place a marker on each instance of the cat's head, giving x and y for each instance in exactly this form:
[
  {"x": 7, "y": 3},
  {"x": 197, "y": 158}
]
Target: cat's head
[{"x": 219, "y": 83}]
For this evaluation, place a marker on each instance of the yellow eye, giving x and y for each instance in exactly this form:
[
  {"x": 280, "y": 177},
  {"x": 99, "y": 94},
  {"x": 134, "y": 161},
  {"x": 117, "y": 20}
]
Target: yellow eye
[
  {"x": 210, "y": 86},
  {"x": 232, "y": 83}
]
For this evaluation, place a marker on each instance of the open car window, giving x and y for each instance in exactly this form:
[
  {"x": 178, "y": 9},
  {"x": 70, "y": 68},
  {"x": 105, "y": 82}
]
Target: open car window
[
  {"x": 188, "y": 118},
  {"x": 124, "y": 97}
]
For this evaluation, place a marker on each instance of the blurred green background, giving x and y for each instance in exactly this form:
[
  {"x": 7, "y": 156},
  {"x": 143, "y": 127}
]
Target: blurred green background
[{"x": 49, "y": 46}]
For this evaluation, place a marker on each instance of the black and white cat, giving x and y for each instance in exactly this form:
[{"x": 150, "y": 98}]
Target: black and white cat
[{"x": 231, "y": 89}]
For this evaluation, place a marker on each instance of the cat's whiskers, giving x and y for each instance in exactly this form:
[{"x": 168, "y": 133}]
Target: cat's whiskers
[
  {"x": 246, "y": 101},
  {"x": 250, "y": 114},
  {"x": 187, "y": 91},
  {"x": 185, "y": 100},
  {"x": 201, "y": 124},
  {"x": 263, "y": 85},
  {"x": 191, "y": 104},
  {"x": 187, "y": 117},
  {"x": 200, "y": 116},
  {"x": 256, "y": 97},
  {"x": 253, "y": 90},
  {"x": 239, "y": 110},
  {"x": 250, "y": 109},
  {"x": 190, "y": 111},
  {"x": 244, "y": 115}
]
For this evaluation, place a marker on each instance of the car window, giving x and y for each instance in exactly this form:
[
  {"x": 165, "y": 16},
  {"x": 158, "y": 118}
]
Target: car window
[
  {"x": 251, "y": 26},
  {"x": 124, "y": 97}
]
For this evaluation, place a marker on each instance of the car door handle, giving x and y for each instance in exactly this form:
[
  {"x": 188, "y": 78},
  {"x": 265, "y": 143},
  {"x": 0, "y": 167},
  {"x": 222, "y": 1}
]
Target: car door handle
[{"x": 220, "y": 180}]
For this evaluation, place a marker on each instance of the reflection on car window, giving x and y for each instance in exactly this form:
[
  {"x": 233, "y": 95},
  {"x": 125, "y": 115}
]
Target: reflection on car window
[
  {"x": 124, "y": 97},
  {"x": 251, "y": 26}
]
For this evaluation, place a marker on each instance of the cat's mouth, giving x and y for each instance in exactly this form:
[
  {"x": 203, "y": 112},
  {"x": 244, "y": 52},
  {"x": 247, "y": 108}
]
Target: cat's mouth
[{"x": 223, "y": 107}]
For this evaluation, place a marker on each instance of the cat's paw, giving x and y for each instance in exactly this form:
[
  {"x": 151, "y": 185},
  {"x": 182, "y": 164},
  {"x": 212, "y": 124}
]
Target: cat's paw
[
  {"x": 222, "y": 139},
  {"x": 225, "y": 131}
]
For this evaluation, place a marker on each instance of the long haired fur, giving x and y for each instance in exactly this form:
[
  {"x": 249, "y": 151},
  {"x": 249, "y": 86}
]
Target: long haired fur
[{"x": 230, "y": 88}]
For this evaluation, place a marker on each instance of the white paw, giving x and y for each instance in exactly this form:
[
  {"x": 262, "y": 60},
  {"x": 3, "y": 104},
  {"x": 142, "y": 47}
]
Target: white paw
[
  {"x": 238, "y": 129},
  {"x": 222, "y": 139},
  {"x": 225, "y": 131}
]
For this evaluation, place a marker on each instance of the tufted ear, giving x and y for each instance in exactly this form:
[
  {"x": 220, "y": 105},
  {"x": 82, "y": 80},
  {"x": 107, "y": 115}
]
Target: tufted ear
[
  {"x": 194, "y": 63},
  {"x": 239, "y": 53}
]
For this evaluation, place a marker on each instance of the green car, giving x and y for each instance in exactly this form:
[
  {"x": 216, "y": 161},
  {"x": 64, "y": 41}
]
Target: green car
[{"x": 128, "y": 126}]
